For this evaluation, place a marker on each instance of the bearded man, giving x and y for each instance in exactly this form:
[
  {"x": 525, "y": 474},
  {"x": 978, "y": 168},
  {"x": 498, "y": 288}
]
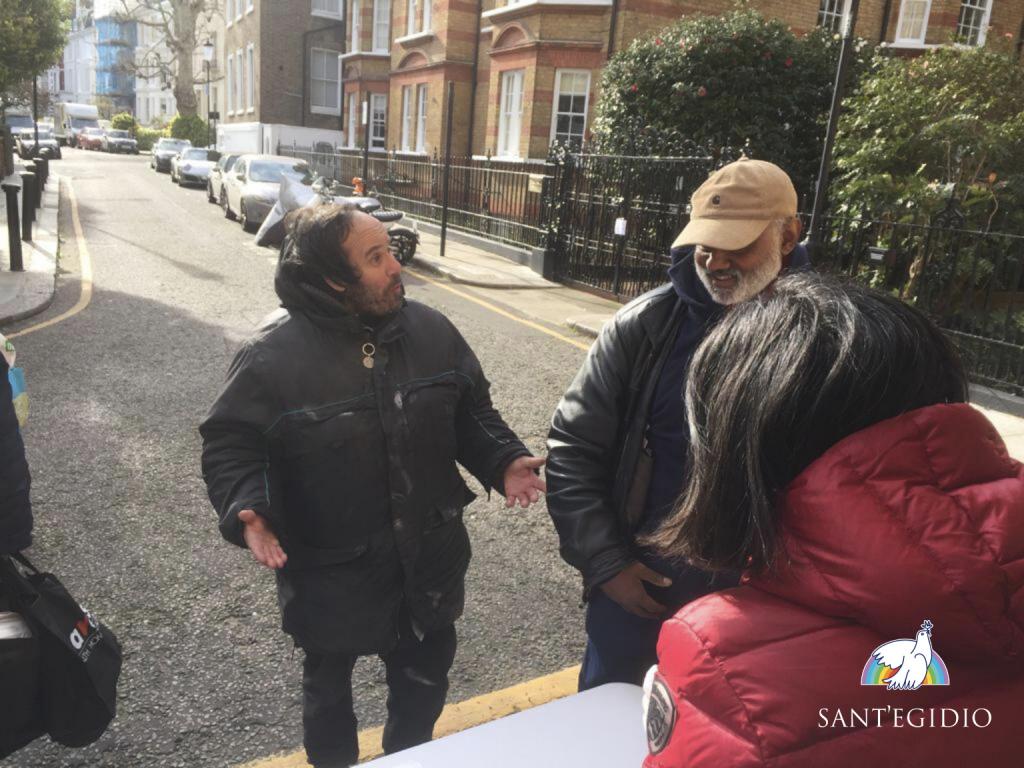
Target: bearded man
[
  {"x": 619, "y": 437},
  {"x": 331, "y": 455}
]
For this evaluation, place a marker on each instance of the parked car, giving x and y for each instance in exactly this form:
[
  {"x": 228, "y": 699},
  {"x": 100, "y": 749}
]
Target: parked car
[
  {"x": 90, "y": 138},
  {"x": 164, "y": 150},
  {"x": 193, "y": 166},
  {"x": 48, "y": 146},
  {"x": 254, "y": 184},
  {"x": 117, "y": 140},
  {"x": 215, "y": 184}
]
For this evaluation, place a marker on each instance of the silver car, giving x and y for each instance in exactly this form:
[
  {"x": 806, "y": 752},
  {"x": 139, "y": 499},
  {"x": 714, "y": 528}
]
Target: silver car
[
  {"x": 48, "y": 146},
  {"x": 193, "y": 166},
  {"x": 218, "y": 175},
  {"x": 252, "y": 187},
  {"x": 119, "y": 141}
]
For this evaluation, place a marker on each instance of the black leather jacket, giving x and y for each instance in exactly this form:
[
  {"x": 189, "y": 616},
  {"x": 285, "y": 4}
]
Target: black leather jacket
[
  {"x": 597, "y": 434},
  {"x": 355, "y": 467}
]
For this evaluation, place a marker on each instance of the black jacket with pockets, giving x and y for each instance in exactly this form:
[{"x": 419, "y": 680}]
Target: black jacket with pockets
[{"x": 355, "y": 467}]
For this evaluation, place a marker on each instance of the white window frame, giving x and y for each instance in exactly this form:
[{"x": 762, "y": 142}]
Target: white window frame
[
  {"x": 407, "y": 127},
  {"x": 410, "y": 17},
  {"x": 357, "y": 26},
  {"x": 425, "y": 21},
  {"x": 421, "y": 118},
  {"x": 554, "y": 105},
  {"x": 239, "y": 9},
  {"x": 250, "y": 83},
  {"x": 898, "y": 39},
  {"x": 983, "y": 29},
  {"x": 329, "y": 54},
  {"x": 250, "y": 6},
  {"x": 839, "y": 16},
  {"x": 353, "y": 120},
  {"x": 240, "y": 80},
  {"x": 510, "y": 113},
  {"x": 327, "y": 13},
  {"x": 231, "y": 83},
  {"x": 378, "y": 101},
  {"x": 381, "y": 26},
  {"x": 229, "y": 12}
]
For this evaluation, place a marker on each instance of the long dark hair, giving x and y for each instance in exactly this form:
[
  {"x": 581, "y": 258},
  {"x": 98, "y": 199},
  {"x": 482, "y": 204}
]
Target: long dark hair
[{"x": 780, "y": 380}]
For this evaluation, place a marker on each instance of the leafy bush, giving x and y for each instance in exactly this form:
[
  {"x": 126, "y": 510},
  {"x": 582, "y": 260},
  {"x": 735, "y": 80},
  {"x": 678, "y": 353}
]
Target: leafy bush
[
  {"x": 191, "y": 127},
  {"x": 123, "y": 121},
  {"x": 147, "y": 137},
  {"x": 739, "y": 80},
  {"x": 918, "y": 130}
]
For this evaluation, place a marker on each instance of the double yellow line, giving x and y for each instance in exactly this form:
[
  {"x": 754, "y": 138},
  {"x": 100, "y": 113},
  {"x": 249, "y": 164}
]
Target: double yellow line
[{"x": 85, "y": 296}]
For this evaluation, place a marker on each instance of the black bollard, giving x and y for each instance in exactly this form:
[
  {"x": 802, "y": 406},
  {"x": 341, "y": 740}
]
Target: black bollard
[
  {"x": 37, "y": 190},
  {"x": 13, "y": 225},
  {"x": 43, "y": 171},
  {"x": 28, "y": 211}
]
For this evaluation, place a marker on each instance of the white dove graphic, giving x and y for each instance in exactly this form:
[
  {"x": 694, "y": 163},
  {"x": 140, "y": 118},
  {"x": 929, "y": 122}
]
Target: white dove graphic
[{"x": 910, "y": 659}]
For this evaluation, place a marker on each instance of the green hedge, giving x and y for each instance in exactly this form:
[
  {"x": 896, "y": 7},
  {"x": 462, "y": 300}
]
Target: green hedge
[
  {"x": 147, "y": 137},
  {"x": 191, "y": 127}
]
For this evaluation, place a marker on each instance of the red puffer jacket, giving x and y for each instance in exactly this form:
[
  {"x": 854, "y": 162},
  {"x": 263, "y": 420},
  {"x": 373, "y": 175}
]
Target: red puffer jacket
[{"x": 917, "y": 518}]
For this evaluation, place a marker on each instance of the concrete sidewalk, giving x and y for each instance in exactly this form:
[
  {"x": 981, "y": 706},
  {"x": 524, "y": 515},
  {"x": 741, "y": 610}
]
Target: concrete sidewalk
[
  {"x": 26, "y": 293},
  {"x": 585, "y": 313}
]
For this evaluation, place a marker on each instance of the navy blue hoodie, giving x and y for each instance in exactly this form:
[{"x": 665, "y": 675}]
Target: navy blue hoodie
[{"x": 668, "y": 431}]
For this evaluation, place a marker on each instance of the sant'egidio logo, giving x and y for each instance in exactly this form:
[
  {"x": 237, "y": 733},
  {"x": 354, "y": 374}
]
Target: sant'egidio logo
[{"x": 906, "y": 665}]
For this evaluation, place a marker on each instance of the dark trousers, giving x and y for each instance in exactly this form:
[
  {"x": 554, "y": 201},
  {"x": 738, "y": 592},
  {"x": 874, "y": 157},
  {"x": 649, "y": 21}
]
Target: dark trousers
[
  {"x": 621, "y": 646},
  {"x": 417, "y": 676}
]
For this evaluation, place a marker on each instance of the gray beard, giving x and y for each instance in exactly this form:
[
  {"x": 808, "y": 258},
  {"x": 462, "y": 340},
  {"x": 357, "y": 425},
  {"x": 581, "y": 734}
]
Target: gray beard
[{"x": 748, "y": 285}]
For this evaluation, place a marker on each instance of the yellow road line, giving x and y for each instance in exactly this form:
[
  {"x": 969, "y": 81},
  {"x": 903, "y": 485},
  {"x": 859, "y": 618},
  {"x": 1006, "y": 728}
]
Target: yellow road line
[
  {"x": 503, "y": 313},
  {"x": 459, "y": 717},
  {"x": 86, "y": 263}
]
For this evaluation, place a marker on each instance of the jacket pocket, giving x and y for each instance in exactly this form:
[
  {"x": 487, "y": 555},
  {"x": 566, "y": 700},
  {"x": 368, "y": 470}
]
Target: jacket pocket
[{"x": 430, "y": 407}]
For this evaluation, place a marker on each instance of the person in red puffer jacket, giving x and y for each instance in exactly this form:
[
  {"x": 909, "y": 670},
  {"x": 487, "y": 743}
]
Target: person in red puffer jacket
[{"x": 835, "y": 460}]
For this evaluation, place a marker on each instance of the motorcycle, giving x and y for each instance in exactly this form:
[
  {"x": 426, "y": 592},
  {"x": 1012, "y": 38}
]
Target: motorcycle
[{"x": 294, "y": 195}]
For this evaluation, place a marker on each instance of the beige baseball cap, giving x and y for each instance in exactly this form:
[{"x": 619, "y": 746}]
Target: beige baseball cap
[{"x": 736, "y": 204}]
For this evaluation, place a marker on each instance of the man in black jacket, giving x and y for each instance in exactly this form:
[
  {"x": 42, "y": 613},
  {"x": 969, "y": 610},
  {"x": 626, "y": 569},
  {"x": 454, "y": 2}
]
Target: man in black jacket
[
  {"x": 618, "y": 440},
  {"x": 331, "y": 454}
]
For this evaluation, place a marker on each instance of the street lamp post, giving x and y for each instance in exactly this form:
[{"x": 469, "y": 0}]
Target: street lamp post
[
  {"x": 821, "y": 189},
  {"x": 207, "y": 58}
]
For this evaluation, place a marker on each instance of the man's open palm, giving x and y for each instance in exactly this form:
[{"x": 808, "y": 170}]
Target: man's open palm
[
  {"x": 522, "y": 483},
  {"x": 261, "y": 541}
]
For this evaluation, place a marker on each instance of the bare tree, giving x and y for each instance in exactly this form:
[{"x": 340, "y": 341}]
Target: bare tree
[{"x": 180, "y": 23}]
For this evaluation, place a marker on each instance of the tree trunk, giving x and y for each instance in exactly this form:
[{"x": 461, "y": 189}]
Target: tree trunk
[{"x": 184, "y": 39}]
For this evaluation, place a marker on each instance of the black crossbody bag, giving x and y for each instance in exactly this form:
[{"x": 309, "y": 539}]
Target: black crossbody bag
[{"x": 79, "y": 658}]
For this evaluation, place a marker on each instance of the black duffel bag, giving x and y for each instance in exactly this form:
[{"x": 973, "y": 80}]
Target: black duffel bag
[{"x": 79, "y": 658}]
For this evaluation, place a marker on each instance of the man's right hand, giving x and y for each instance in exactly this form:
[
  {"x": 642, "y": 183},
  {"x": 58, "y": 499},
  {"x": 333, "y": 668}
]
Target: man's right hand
[
  {"x": 261, "y": 541},
  {"x": 627, "y": 589}
]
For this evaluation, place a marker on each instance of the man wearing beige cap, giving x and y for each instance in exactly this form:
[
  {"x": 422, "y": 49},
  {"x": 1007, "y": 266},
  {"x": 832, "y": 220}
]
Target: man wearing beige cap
[{"x": 618, "y": 440}]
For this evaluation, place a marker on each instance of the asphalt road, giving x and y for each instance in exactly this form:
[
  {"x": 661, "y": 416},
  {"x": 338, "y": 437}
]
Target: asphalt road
[{"x": 121, "y": 513}]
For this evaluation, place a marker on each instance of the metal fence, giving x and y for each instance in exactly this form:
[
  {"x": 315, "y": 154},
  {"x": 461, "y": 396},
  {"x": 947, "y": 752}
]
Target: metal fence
[
  {"x": 497, "y": 199},
  {"x": 612, "y": 218},
  {"x": 970, "y": 282}
]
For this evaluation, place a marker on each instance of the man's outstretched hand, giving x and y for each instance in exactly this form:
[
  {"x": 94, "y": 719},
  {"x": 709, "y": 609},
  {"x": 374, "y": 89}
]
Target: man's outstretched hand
[
  {"x": 522, "y": 483},
  {"x": 261, "y": 541}
]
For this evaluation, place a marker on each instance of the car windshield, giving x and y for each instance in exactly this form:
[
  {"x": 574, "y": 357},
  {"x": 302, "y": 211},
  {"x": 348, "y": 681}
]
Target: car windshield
[
  {"x": 82, "y": 122},
  {"x": 229, "y": 162},
  {"x": 173, "y": 144},
  {"x": 195, "y": 154},
  {"x": 18, "y": 121},
  {"x": 119, "y": 135},
  {"x": 43, "y": 134},
  {"x": 273, "y": 172},
  {"x": 94, "y": 131}
]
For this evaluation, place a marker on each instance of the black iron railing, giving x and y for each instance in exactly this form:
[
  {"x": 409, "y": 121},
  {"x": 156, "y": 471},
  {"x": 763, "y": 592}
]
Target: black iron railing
[{"x": 498, "y": 199}]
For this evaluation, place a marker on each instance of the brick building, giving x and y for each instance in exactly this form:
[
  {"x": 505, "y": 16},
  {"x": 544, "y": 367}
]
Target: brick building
[{"x": 524, "y": 71}]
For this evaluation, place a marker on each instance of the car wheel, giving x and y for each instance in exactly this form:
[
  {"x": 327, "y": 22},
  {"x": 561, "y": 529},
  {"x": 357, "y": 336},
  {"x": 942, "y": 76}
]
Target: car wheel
[
  {"x": 228, "y": 213},
  {"x": 403, "y": 244},
  {"x": 243, "y": 219}
]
